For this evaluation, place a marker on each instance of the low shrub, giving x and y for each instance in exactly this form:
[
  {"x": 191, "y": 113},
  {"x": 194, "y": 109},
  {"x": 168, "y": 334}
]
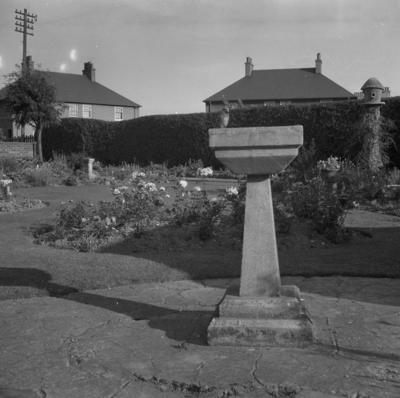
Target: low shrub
[
  {"x": 9, "y": 166},
  {"x": 38, "y": 176},
  {"x": 28, "y": 172},
  {"x": 85, "y": 226},
  {"x": 393, "y": 176},
  {"x": 317, "y": 202},
  {"x": 71, "y": 181},
  {"x": 75, "y": 161}
]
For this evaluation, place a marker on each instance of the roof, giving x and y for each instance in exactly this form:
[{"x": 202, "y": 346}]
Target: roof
[
  {"x": 282, "y": 84},
  {"x": 73, "y": 88},
  {"x": 372, "y": 82}
]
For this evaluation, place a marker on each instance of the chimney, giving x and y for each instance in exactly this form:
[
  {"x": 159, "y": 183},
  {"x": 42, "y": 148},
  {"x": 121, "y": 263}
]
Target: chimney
[
  {"x": 318, "y": 64},
  {"x": 89, "y": 71},
  {"x": 248, "y": 67}
]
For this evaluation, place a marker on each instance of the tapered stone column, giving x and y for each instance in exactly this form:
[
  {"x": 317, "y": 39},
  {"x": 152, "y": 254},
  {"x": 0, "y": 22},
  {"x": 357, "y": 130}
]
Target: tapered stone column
[
  {"x": 260, "y": 267},
  {"x": 261, "y": 312}
]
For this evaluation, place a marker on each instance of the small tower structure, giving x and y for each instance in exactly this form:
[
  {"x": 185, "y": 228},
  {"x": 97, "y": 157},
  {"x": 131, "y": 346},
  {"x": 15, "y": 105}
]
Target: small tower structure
[
  {"x": 373, "y": 90},
  {"x": 372, "y": 146}
]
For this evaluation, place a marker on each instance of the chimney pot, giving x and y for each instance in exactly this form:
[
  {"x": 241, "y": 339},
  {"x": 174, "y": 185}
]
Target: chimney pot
[
  {"x": 248, "y": 67},
  {"x": 89, "y": 71},
  {"x": 318, "y": 64}
]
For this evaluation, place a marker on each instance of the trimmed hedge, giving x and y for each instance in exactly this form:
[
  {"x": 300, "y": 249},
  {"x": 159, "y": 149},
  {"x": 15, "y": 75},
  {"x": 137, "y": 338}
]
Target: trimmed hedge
[
  {"x": 391, "y": 112},
  {"x": 335, "y": 127},
  {"x": 332, "y": 126},
  {"x": 73, "y": 135},
  {"x": 174, "y": 139}
]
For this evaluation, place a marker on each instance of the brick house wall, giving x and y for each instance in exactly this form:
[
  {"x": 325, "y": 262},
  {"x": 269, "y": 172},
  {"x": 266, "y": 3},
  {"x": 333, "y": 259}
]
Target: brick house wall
[
  {"x": 103, "y": 112},
  {"x": 16, "y": 149}
]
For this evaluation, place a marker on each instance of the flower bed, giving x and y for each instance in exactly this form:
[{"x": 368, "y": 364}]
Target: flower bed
[
  {"x": 13, "y": 205},
  {"x": 153, "y": 211}
]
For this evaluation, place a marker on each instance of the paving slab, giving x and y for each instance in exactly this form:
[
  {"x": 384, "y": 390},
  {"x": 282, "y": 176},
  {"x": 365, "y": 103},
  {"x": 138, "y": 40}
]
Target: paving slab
[{"x": 149, "y": 340}]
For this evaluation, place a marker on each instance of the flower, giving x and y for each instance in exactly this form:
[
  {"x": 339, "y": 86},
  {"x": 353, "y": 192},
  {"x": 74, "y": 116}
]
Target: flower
[
  {"x": 162, "y": 189},
  {"x": 197, "y": 189},
  {"x": 137, "y": 174},
  {"x": 183, "y": 183},
  {"x": 5, "y": 182},
  {"x": 116, "y": 191},
  {"x": 232, "y": 191},
  {"x": 150, "y": 186},
  {"x": 167, "y": 196},
  {"x": 205, "y": 172},
  {"x": 332, "y": 163}
]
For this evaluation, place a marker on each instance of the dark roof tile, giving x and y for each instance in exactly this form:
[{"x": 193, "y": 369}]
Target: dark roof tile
[
  {"x": 282, "y": 84},
  {"x": 73, "y": 88}
]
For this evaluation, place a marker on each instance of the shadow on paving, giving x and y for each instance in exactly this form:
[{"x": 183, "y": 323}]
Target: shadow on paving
[
  {"x": 182, "y": 326},
  {"x": 372, "y": 252}
]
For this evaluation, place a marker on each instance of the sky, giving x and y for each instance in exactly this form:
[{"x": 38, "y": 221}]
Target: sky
[{"x": 169, "y": 55}]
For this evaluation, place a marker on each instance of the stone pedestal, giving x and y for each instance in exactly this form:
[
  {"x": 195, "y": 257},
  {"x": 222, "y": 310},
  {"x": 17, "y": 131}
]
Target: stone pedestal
[
  {"x": 279, "y": 320},
  {"x": 5, "y": 185},
  {"x": 259, "y": 312},
  {"x": 91, "y": 175}
]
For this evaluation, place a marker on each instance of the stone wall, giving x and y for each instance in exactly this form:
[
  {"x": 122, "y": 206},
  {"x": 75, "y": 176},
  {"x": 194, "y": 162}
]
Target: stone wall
[{"x": 17, "y": 149}]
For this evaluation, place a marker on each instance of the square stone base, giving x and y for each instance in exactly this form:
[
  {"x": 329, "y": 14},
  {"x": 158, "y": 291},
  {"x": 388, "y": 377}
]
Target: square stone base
[{"x": 262, "y": 321}]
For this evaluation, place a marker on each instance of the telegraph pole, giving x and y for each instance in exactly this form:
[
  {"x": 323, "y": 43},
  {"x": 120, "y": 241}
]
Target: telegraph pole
[{"x": 24, "y": 24}]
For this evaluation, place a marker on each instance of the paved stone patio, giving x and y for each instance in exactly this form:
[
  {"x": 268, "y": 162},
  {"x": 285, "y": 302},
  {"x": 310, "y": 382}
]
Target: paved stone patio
[{"x": 149, "y": 340}]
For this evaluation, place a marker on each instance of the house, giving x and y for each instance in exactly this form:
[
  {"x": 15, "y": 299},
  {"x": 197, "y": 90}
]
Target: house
[
  {"x": 80, "y": 96},
  {"x": 269, "y": 87}
]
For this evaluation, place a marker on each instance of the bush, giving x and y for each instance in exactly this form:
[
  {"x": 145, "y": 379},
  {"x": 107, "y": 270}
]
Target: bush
[
  {"x": 391, "y": 112},
  {"x": 317, "y": 202},
  {"x": 335, "y": 128},
  {"x": 331, "y": 126},
  {"x": 174, "y": 139},
  {"x": 77, "y": 161},
  {"x": 8, "y": 166},
  {"x": 38, "y": 176},
  {"x": 83, "y": 136}
]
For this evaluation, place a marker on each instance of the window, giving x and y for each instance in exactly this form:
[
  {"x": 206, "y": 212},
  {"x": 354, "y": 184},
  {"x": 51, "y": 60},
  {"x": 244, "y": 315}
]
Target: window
[
  {"x": 87, "y": 111},
  {"x": 269, "y": 103},
  {"x": 73, "y": 110},
  {"x": 118, "y": 113}
]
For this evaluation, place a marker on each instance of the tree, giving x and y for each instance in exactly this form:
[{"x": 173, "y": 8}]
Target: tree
[{"x": 31, "y": 100}]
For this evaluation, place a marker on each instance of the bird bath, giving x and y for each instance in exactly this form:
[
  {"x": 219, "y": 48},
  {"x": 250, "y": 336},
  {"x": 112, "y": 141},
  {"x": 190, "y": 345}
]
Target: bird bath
[{"x": 261, "y": 312}]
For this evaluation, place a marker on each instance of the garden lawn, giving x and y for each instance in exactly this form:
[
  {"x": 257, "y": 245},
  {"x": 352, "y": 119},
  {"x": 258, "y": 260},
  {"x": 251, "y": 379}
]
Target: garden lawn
[{"x": 27, "y": 269}]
